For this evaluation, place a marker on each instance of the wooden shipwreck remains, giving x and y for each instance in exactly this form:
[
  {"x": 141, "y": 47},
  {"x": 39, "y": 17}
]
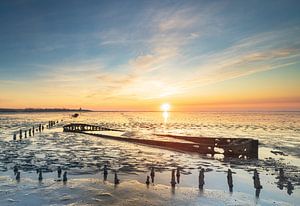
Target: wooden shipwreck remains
[{"x": 229, "y": 147}]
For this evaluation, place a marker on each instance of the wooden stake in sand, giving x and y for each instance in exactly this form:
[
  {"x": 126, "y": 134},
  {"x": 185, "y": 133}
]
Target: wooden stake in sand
[
  {"x": 65, "y": 179},
  {"x": 256, "y": 180},
  {"x": 201, "y": 178},
  {"x": 178, "y": 175},
  {"x": 18, "y": 176},
  {"x": 40, "y": 175},
  {"x": 105, "y": 173},
  {"x": 173, "y": 182},
  {"x": 59, "y": 171},
  {"x": 152, "y": 174},
  {"x": 16, "y": 169},
  {"x": 148, "y": 180},
  {"x": 229, "y": 179}
]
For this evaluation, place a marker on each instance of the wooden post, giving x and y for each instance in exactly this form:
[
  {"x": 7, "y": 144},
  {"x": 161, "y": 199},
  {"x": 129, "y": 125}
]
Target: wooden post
[
  {"x": 201, "y": 178},
  {"x": 148, "y": 180},
  {"x": 40, "y": 175},
  {"x": 256, "y": 180},
  {"x": 173, "y": 182},
  {"x": 18, "y": 176},
  {"x": 229, "y": 180},
  {"x": 20, "y": 134},
  {"x": 65, "y": 178},
  {"x": 152, "y": 174},
  {"x": 178, "y": 175}
]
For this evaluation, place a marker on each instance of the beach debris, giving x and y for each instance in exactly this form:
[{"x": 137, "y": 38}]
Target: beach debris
[
  {"x": 173, "y": 182},
  {"x": 105, "y": 172},
  {"x": 152, "y": 174},
  {"x": 18, "y": 176},
  {"x": 290, "y": 188},
  {"x": 229, "y": 179},
  {"x": 256, "y": 180},
  {"x": 201, "y": 178},
  {"x": 40, "y": 175},
  {"x": 117, "y": 181},
  {"x": 16, "y": 169},
  {"x": 59, "y": 171},
  {"x": 178, "y": 175},
  {"x": 15, "y": 136},
  {"x": 278, "y": 153},
  {"x": 148, "y": 180},
  {"x": 65, "y": 178}
]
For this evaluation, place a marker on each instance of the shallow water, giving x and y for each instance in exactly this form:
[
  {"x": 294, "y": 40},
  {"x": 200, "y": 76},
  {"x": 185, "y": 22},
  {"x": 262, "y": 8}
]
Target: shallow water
[{"x": 83, "y": 156}]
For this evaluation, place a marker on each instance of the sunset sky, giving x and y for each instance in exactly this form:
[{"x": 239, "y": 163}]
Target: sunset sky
[{"x": 136, "y": 55}]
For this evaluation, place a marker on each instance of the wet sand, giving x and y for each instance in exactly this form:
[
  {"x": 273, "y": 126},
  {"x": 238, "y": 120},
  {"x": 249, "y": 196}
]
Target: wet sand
[{"x": 84, "y": 157}]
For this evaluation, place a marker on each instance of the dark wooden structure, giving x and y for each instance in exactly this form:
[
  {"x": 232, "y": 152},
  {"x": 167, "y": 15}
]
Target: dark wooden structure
[{"x": 229, "y": 147}]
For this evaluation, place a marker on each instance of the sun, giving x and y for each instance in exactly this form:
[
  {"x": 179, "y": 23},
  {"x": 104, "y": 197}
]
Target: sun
[{"x": 165, "y": 107}]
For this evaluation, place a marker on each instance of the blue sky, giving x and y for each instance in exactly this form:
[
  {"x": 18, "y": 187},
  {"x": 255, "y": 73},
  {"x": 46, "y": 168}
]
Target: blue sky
[{"x": 147, "y": 51}]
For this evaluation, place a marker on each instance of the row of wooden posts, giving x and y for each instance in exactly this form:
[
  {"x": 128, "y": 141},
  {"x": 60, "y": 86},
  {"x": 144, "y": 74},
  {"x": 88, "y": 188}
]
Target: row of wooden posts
[
  {"x": 175, "y": 178},
  {"x": 30, "y": 132}
]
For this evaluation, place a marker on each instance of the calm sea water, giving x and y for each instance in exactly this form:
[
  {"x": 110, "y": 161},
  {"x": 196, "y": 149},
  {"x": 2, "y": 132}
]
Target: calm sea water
[{"x": 85, "y": 155}]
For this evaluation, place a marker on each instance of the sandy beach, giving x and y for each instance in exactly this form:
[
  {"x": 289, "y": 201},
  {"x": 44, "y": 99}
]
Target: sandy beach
[{"x": 84, "y": 157}]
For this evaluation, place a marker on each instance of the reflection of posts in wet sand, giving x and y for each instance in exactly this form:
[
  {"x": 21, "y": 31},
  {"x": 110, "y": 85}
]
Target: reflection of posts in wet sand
[
  {"x": 178, "y": 175},
  {"x": 116, "y": 180},
  {"x": 152, "y": 174},
  {"x": 201, "y": 179},
  {"x": 173, "y": 190},
  {"x": 229, "y": 180},
  {"x": 257, "y": 193},
  {"x": 173, "y": 182},
  {"x": 290, "y": 188}
]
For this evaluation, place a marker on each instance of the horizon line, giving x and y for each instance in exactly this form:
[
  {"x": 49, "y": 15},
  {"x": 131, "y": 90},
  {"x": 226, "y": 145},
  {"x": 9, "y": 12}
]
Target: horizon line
[{"x": 90, "y": 110}]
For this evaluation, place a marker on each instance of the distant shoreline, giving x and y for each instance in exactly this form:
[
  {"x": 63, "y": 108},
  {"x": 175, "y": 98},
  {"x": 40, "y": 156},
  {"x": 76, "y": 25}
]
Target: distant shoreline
[
  {"x": 32, "y": 110},
  {"x": 43, "y": 110}
]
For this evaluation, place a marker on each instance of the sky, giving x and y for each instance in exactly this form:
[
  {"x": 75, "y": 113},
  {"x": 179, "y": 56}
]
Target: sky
[{"x": 136, "y": 55}]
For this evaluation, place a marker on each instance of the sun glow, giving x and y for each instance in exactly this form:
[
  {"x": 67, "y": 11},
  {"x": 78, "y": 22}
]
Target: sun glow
[{"x": 165, "y": 107}]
